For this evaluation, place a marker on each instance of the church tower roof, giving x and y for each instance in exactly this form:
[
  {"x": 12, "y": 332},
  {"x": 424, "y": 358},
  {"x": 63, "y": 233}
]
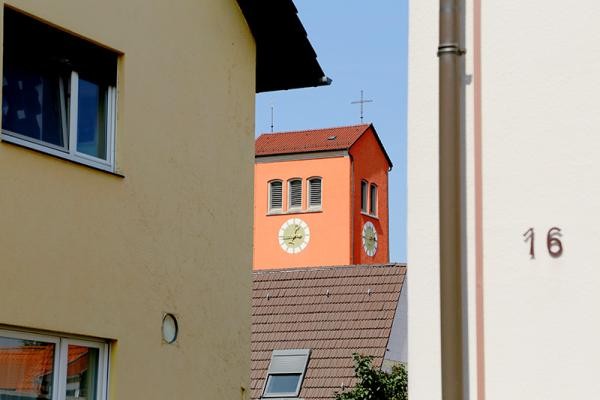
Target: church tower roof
[{"x": 313, "y": 140}]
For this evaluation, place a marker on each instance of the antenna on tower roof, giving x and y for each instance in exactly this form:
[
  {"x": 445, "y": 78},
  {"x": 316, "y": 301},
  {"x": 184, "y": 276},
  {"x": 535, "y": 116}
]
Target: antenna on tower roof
[{"x": 272, "y": 120}]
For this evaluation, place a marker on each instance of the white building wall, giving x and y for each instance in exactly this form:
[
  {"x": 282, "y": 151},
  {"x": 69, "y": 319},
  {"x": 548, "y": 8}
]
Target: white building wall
[
  {"x": 540, "y": 80},
  {"x": 422, "y": 238},
  {"x": 540, "y": 86},
  {"x": 397, "y": 348}
]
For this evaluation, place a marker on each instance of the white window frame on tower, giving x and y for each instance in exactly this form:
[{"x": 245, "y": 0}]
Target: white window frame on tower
[
  {"x": 291, "y": 194},
  {"x": 309, "y": 190},
  {"x": 373, "y": 195},
  {"x": 364, "y": 196},
  {"x": 271, "y": 208}
]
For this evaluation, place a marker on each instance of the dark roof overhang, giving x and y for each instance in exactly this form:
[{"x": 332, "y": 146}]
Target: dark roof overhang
[{"x": 285, "y": 59}]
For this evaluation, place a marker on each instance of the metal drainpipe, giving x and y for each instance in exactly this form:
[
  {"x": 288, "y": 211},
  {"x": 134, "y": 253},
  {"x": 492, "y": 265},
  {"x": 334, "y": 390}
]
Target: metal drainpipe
[{"x": 450, "y": 54}]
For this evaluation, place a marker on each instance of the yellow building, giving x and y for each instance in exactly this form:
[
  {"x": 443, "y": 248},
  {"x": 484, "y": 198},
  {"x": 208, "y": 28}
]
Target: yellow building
[{"x": 126, "y": 159}]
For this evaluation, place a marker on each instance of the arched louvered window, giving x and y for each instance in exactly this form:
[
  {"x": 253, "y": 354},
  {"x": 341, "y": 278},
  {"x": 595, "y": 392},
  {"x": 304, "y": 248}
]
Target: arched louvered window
[
  {"x": 275, "y": 196},
  {"x": 314, "y": 192},
  {"x": 295, "y": 193},
  {"x": 373, "y": 200}
]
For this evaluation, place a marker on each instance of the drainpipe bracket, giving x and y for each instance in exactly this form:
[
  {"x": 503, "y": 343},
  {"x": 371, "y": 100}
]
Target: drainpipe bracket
[{"x": 451, "y": 49}]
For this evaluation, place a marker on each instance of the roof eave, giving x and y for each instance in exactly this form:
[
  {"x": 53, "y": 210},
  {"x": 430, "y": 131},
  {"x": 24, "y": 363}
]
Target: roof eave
[
  {"x": 387, "y": 157},
  {"x": 291, "y": 153},
  {"x": 285, "y": 59}
]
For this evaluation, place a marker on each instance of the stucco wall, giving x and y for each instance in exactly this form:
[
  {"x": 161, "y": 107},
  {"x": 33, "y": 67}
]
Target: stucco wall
[
  {"x": 370, "y": 164},
  {"x": 422, "y": 212},
  {"x": 329, "y": 240},
  {"x": 397, "y": 347},
  {"x": 539, "y": 169},
  {"x": 86, "y": 252}
]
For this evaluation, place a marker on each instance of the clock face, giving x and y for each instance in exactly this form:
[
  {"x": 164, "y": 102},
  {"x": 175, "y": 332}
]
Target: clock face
[
  {"x": 369, "y": 238},
  {"x": 294, "y": 235}
]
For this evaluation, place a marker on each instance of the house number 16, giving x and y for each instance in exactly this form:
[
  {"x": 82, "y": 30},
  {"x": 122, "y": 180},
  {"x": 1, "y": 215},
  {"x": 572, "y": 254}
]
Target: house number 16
[{"x": 555, "y": 247}]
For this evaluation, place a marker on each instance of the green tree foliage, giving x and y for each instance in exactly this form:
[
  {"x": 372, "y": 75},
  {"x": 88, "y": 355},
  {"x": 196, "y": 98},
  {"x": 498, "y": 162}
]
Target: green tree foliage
[{"x": 374, "y": 384}]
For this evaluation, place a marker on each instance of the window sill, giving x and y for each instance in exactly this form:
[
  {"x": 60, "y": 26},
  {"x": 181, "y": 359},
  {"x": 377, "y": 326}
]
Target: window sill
[
  {"x": 369, "y": 215},
  {"x": 292, "y": 212},
  {"x": 10, "y": 140}
]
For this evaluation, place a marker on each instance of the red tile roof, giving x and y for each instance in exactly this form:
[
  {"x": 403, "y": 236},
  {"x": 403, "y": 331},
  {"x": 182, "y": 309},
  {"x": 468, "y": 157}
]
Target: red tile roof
[
  {"x": 334, "y": 311},
  {"x": 340, "y": 138}
]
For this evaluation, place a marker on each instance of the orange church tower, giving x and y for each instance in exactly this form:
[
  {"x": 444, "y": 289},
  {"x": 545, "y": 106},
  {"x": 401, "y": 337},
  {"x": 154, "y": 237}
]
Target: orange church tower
[{"x": 321, "y": 198}]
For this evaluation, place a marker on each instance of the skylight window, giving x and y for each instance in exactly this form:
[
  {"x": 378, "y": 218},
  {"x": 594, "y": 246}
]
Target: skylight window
[{"x": 286, "y": 373}]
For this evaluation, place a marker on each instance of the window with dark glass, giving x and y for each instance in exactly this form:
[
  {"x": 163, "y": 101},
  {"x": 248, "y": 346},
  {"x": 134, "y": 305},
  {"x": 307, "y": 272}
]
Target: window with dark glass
[
  {"x": 314, "y": 192},
  {"x": 275, "y": 196},
  {"x": 295, "y": 193},
  {"x": 363, "y": 196},
  {"x": 58, "y": 92},
  {"x": 373, "y": 200}
]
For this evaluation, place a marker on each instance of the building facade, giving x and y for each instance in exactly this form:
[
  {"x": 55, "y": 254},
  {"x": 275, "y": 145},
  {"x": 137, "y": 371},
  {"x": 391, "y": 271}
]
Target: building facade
[
  {"x": 530, "y": 195},
  {"x": 321, "y": 198},
  {"x": 127, "y": 142}
]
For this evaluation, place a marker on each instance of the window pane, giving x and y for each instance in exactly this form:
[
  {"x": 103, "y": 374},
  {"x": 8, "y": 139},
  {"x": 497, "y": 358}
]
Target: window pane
[
  {"x": 82, "y": 373},
  {"x": 296, "y": 193},
  {"x": 26, "y": 368},
  {"x": 314, "y": 186},
  {"x": 275, "y": 200},
  {"x": 91, "y": 119},
  {"x": 373, "y": 206},
  {"x": 363, "y": 196},
  {"x": 282, "y": 383},
  {"x": 33, "y": 105}
]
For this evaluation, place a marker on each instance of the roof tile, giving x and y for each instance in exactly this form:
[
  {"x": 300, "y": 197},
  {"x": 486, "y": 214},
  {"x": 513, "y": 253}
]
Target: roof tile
[
  {"x": 299, "y": 314},
  {"x": 339, "y": 138}
]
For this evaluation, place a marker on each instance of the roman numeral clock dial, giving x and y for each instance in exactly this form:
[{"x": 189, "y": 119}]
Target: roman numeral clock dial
[{"x": 294, "y": 235}]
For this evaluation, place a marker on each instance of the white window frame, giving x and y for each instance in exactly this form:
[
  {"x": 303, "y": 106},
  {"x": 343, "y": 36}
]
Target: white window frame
[
  {"x": 373, "y": 209},
  {"x": 71, "y": 153},
  {"x": 364, "y": 194},
  {"x": 286, "y": 367},
  {"x": 61, "y": 348},
  {"x": 309, "y": 193},
  {"x": 289, "y": 195},
  {"x": 274, "y": 210}
]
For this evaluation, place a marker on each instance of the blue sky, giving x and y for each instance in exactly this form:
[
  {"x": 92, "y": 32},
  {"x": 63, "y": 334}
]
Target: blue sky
[{"x": 361, "y": 45}]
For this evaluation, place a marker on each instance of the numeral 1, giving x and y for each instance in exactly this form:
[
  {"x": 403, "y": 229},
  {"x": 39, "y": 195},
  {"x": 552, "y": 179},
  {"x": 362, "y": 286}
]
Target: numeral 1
[{"x": 530, "y": 235}]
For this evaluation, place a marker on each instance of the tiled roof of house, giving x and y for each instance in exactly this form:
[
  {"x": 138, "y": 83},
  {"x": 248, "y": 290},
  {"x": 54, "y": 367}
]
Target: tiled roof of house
[
  {"x": 333, "y": 311},
  {"x": 340, "y": 138}
]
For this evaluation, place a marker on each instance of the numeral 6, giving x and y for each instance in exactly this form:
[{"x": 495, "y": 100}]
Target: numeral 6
[{"x": 555, "y": 247}]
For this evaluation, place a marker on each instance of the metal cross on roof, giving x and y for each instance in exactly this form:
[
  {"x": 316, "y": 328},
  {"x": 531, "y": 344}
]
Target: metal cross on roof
[{"x": 362, "y": 101}]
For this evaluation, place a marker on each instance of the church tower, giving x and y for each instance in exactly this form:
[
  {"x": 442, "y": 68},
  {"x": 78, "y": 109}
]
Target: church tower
[{"x": 321, "y": 198}]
